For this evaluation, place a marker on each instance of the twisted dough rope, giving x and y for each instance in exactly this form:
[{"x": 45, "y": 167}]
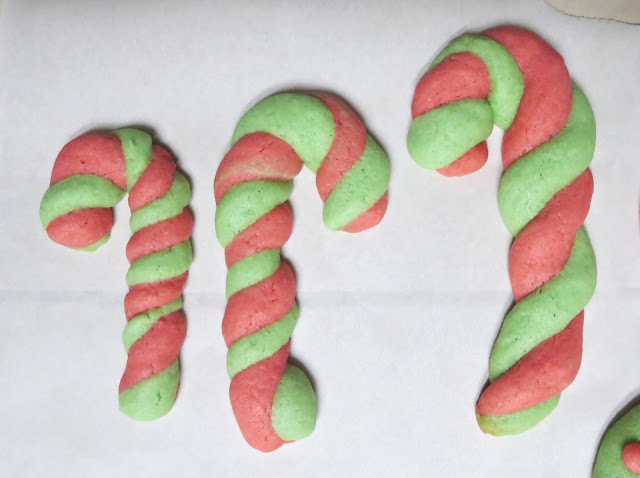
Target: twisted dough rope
[
  {"x": 273, "y": 401},
  {"x": 90, "y": 176},
  {"x": 513, "y": 78},
  {"x": 619, "y": 452}
]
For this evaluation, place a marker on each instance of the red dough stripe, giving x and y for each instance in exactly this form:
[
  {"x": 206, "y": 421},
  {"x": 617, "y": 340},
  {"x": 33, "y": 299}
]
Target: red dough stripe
[
  {"x": 370, "y": 217},
  {"x": 631, "y": 457},
  {"x": 459, "y": 76},
  {"x": 143, "y": 297},
  {"x": 260, "y": 305},
  {"x": 542, "y": 248},
  {"x": 256, "y": 156},
  {"x": 546, "y": 102},
  {"x": 347, "y": 147},
  {"x": 271, "y": 231},
  {"x": 540, "y": 375},
  {"x": 81, "y": 228},
  {"x": 155, "y": 181},
  {"x": 92, "y": 153},
  {"x": 161, "y": 235},
  {"x": 96, "y": 154},
  {"x": 162, "y": 342},
  {"x": 251, "y": 394},
  {"x": 468, "y": 163}
]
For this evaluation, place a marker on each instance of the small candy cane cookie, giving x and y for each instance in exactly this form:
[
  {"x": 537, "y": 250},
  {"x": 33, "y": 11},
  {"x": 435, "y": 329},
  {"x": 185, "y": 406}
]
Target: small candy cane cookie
[
  {"x": 272, "y": 400},
  {"x": 91, "y": 174}
]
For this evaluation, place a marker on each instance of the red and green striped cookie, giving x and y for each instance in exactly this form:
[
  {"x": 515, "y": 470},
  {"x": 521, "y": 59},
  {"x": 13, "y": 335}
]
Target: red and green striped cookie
[
  {"x": 273, "y": 400},
  {"x": 619, "y": 452},
  {"x": 92, "y": 174},
  {"x": 513, "y": 78}
]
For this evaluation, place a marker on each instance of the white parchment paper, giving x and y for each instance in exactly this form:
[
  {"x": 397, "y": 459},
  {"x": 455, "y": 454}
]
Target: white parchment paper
[{"x": 396, "y": 323}]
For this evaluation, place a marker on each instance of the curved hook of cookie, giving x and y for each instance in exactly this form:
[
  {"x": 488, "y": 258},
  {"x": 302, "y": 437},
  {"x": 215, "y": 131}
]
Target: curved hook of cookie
[
  {"x": 273, "y": 401},
  {"x": 511, "y": 77},
  {"x": 619, "y": 452},
  {"x": 90, "y": 176}
]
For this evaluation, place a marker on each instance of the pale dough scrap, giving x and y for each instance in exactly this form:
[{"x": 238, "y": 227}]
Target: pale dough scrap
[{"x": 622, "y": 10}]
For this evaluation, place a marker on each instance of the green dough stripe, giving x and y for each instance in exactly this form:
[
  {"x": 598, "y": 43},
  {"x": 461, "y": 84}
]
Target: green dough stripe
[
  {"x": 251, "y": 270},
  {"x": 141, "y": 323},
  {"x": 548, "y": 310},
  {"x": 609, "y": 462},
  {"x": 518, "y": 422},
  {"x": 530, "y": 183},
  {"x": 363, "y": 185},
  {"x": 171, "y": 204},
  {"x": 261, "y": 344},
  {"x": 507, "y": 84},
  {"x": 245, "y": 203},
  {"x": 93, "y": 247},
  {"x": 442, "y": 135},
  {"x": 294, "y": 409},
  {"x": 153, "y": 397},
  {"x": 302, "y": 121},
  {"x": 80, "y": 191},
  {"x": 161, "y": 265},
  {"x": 136, "y": 147}
]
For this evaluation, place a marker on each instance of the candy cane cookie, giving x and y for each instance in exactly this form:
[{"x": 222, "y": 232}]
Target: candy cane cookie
[
  {"x": 511, "y": 77},
  {"x": 91, "y": 175},
  {"x": 619, "y": 452},
  {"x": 272, "y": 400}
]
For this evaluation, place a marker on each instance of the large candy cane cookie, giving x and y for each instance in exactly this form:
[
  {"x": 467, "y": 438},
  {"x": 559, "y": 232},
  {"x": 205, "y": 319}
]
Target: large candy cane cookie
[
  {"x": 619, "y": 453},
  {"x": 273, "y": 401},
  {"x": 511, "y": 77},
  {"x": 91, "y": 175}
]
